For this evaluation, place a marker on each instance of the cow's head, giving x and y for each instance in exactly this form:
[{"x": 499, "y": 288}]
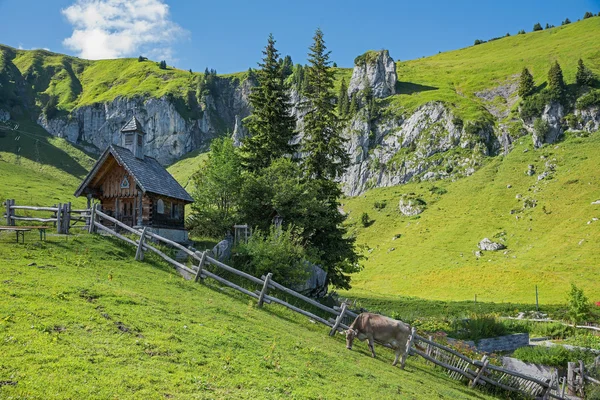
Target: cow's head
[{"x": 350, "y": 335}]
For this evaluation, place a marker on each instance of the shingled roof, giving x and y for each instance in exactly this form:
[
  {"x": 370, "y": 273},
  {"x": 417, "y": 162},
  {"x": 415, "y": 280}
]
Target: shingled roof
[
  {"x": 132, "y": 126},
  {"x": 149, "y": 175}
]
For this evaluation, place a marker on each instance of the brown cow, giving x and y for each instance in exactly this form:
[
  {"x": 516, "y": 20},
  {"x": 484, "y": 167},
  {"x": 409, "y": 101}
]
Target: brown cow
[{"x": 383, "y": 329}]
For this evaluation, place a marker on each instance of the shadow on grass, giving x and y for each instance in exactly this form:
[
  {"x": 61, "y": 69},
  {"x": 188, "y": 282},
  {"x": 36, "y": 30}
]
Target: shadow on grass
[{"x": 410, "y": 88}]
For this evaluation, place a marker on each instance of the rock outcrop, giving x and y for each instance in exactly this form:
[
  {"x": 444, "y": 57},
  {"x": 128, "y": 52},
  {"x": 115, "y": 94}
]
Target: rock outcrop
[
  {"x": 410, "y": 206},
  {"x": 377, "y": 70},
  {"x": 589, "y": 119},
  {"x": 553, "y": 114},
  {"x": 168, "y": 134},
  {"x": 487, "y": 245},
  {"x": 429, "y": 144}
]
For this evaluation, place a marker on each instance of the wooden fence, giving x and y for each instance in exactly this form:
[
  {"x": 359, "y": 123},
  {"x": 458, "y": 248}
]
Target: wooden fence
[
  {"x": 458, "y": 366},
  {"x": 63, "y": 216}
]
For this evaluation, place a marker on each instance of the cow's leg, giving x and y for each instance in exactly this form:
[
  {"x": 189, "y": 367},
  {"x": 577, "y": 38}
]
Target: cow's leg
[
  {"x": 372, "y": 346},
  {"x": 398, "y": 351}
]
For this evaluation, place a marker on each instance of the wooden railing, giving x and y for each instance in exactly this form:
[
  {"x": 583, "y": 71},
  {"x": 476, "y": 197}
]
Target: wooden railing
[{"x": 63, "y": 216}]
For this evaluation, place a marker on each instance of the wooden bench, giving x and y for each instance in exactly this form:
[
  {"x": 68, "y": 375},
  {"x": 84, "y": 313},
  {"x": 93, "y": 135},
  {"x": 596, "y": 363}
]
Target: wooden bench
[{"x": 20, "y": 231}]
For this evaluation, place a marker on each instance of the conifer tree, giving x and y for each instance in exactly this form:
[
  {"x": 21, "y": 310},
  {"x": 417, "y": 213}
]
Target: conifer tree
[
  {"x": 556, "y": 84},
  {"x": 326, "y": 157},
  {"x": 588, "y": 15},
  {"x": 566, "y": 21},
  {"x": 584, "y": 76},
  {"x": 537, "y": 27},
  {"x": 271, "y": 124},
  {"x": 353, "y": 104},
  {"x": 526, "y": 85},
  {"x": 342, "y": 101}
]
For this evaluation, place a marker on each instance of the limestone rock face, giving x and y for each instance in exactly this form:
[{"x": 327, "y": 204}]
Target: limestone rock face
[
  {"x": 553, "y": 115},
  {"x": 590, "y": 118},
  {"x": 239, "y": 132},
  {"x": 394, "y": 150},
  {"x": 487, "y": 245},
  {"x": 375, "y": 69},
  {"x": 168, "y": 134}
]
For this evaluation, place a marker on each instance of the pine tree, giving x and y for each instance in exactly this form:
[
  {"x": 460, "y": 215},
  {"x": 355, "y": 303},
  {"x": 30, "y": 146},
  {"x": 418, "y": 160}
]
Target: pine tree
[
  {"x": 588, "y": 15},
  {"x": 326, "y": 158},
  {"x": 566, "y": 21},
  {"x": 584, "y": 76},
  {"x": 521, "y": 32},
  {"x": 271, "y": 124},
  {"x": 556, "y": 84},
  {"x": 547, "y": 26},
  {"x": 526, "y": 85},
  {"x": 343, "y": 105},
  {"x": 162, "y": 64},
  {"x": 537, "y": 27}
]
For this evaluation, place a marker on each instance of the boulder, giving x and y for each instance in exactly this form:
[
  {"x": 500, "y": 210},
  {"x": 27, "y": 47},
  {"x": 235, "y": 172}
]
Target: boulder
[
  {"x": 222, "y": 250},
  {"x": 487, "y": 245},
  {"x": 553, "y": 114},
  {"x": 316, "y": 284},
  {"x": 377, "y": 70},
  {"x": 410, "y": 206}
]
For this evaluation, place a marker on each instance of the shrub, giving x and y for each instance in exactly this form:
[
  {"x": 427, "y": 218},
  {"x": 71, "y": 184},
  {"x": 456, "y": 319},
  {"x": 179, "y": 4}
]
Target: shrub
[
  {"x": 572, "y": 121},
  {"x": 278, "y": 252},
  {"x": 478, "y": 41},
  {"x": 555, "y": 356},
  {"x": 380, "y": 205},
  {"x": 533, "y": 106},
  {"x": 579, "y": 306},
  {"x": 591, "y": 99},
  {"x": 365, "y": 220},
  {"x": 438, "y": 190},
  {"x": 478, "y": 326},
  {"x": 541, "y": 128},
  {"x": 142, "y": 59}
]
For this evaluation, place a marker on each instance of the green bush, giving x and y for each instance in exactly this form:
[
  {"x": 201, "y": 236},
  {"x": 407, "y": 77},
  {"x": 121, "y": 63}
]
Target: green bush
[
  {"x": 380, "y": 205},
  {"x": 279, "y": 252},
  {"x": 591, "y": 99},
  {"x": 555, "y": 356},
  {"x": 553, "y": 330},
  {"x": 478, "y": 326},
  {"x": 533, "y": 106},
  {"x": 541, "y": 128},
  {"x": 365, "y": 219},
  {"x": 579, "y": 306},
  {"x": 572, "y": 121}
]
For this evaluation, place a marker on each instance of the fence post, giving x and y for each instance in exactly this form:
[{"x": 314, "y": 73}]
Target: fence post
[
  {"x": 139, "y": 254},
  {"x": 409, "y": 343},
  {"x": 66, "y": 218},
  {"x": 571, "y": 378},
  {"x": 59, "y": 218},
  {"x": 200, "y": 265},
  {"x": 92, "y": 227},
  {"x": 338, "y": 320},
  {"x": 9, "y": 203},
  {"x": 485, "y": 362},
  {"x": 581, "y": 383},
  {"x": 263, "y": 292}
]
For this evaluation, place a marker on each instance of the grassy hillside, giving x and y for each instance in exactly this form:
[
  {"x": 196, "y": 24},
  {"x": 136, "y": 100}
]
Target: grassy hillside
[
  {"x": 185, "y": 167},
  {"x": 455, "y": 76},
  {"x": 432, "y": 256},
  {"x": 39, "y": 169},
  {"x": 80, "y": 319}
]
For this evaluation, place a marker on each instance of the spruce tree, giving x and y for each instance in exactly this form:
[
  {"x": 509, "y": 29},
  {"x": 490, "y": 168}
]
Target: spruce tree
[
  {"x": 353, "y": 104},
  {"x": 271, "y": 124},
  {"x": 566, "y": 21},
  {"x": 588, "y": 15},
  {"x": 556, "y": 84},
  {"x": 343, "y": 105},
  {"x": 526, "y": 85},
  {"x": 584, "y": 76},
  {"x": 537, "y": 27},
  {"x": 326, "y": 158}
]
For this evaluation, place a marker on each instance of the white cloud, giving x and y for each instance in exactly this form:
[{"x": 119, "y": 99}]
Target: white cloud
[{"x": 120, "y": 28}]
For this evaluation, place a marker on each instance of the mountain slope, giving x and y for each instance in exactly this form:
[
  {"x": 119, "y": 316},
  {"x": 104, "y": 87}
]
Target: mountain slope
[{"x": 549, "y": 226}]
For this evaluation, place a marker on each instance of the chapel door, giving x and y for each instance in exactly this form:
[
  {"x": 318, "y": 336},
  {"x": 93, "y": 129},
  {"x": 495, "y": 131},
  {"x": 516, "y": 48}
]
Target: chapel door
[{"x": 128, "y": 211}]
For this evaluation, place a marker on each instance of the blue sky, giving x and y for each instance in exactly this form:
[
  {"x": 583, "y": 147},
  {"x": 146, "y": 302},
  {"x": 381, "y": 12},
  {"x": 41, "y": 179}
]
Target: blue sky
[{"x": 229, "y": 35}]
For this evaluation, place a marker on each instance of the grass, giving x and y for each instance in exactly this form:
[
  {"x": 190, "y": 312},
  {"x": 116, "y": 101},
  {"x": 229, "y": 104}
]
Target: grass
[
  {"x": 188, "y": 165},
  {"x": 432, "y": 255},
  {"x": 555, "y": 356},
  {"x": 80, "y": 319}
]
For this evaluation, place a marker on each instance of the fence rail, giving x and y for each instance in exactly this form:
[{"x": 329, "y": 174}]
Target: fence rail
[
  {"x": 459, "y": 366},
  {"x": 63, "y": 216}
]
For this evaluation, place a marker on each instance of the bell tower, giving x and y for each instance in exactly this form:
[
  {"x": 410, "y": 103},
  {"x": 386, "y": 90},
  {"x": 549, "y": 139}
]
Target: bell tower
[{"x": 132, "y": 138}]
